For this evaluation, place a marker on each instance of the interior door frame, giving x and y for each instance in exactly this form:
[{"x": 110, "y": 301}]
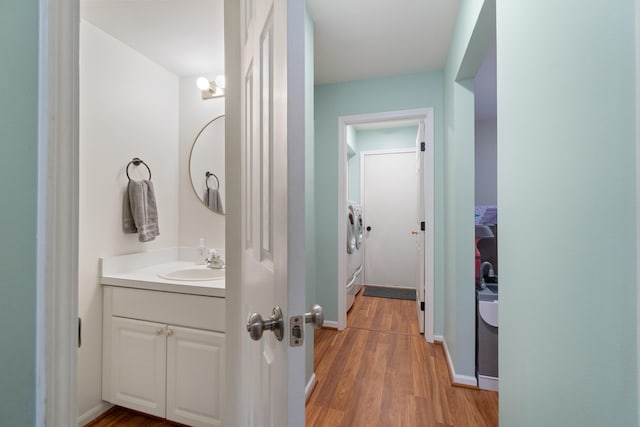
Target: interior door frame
[
  {"x": 56, "y": 365},
  {"x": 426, "y": 116},
  {"x": 365, "y": 153},
  {"x": 57, "y": 214}
]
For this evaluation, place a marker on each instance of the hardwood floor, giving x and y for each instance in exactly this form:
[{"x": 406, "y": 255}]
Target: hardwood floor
[
  {"x": 122, "y": 417},
  {"x": 380, "y": 371}
]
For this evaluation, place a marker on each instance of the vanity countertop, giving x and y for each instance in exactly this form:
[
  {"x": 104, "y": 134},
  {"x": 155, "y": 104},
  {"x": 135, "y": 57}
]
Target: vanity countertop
[{"x": 142, "y": 270}]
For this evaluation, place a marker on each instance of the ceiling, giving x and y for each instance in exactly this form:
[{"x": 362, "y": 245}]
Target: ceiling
[
  {"x": 354, "y": 39},
  {"x": 184, "y": 36},
  {"x": 360, "y": 39}
]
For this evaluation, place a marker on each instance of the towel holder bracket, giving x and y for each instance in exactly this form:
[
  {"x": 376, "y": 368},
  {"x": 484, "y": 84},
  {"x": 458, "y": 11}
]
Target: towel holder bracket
[
  {"x": 208, "y": 175},
  {"x": 137, "y": 161}
]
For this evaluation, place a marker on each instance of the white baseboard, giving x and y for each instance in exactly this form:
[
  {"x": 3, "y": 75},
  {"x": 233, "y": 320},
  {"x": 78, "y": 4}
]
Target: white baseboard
[
  {"x": 488, "y": 383},
  {"x": 310, "y": 386},
  {"x": 456, "y": 378},
  {"x": 330, "y": 324},
  {"x": 93, "y": 413},
  {"x": 438, "y": 338}
]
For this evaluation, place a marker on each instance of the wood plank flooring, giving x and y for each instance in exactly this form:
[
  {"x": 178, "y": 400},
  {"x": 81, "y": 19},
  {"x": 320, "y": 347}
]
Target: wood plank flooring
[
  {"x": 380, "y": 371},
  {"x": 122, "y": 417}
]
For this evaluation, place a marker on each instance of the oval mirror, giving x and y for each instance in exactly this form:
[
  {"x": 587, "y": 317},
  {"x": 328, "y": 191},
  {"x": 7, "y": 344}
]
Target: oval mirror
[{"x": 206, "y": 165}]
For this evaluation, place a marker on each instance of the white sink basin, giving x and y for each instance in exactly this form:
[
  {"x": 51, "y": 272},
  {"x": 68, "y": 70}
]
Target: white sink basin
[{"x": 200, "y": 273}]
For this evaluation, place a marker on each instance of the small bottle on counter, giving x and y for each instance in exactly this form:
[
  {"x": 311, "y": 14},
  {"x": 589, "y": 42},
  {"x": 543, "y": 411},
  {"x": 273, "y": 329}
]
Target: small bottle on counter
[{"x": 202, "y": 253}]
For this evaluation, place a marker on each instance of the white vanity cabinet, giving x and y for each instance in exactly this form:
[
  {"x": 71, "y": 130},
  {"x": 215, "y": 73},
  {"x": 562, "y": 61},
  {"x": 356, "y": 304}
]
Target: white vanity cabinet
[{"x": 163, "y": 354}]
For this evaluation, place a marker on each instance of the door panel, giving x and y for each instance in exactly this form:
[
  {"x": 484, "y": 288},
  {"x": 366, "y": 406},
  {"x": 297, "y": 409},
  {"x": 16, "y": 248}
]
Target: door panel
[
  {"x": 195, "y": 377},
  {"x": 138, "y": 360},
  {"x": 389, "y": 202},
  {"x": 272, "y": 257}
]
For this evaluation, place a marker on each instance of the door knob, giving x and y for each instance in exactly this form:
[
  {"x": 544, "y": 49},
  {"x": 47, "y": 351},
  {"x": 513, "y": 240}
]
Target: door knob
[
  {"x": 315, "y": 316},
  {"x": 414, "y": 232},
  {"x": 368, "y": 228},
  {"x": 256, "y": 325}
]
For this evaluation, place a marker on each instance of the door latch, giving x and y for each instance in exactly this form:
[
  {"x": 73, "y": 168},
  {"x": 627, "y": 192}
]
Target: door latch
[{"x": 296, "y": 325}]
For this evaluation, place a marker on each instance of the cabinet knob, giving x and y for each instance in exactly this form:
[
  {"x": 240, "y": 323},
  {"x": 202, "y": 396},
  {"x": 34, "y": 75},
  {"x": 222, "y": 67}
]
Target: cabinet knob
[
  {"x": 159, "y": 331},
  {"x": 169, "y": 331}
]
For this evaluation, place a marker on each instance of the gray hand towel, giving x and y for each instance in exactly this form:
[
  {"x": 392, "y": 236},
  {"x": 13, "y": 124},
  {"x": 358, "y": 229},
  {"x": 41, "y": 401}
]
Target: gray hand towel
[
  {"x": 139, "y": 210},
  {"x": 213, "y": 200}
]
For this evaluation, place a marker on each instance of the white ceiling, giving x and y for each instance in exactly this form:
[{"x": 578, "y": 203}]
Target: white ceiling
[
  {"x": 359, "y": 39},
  {"x": 184, "y": 36},
  {"x": 354, "y": 39}
]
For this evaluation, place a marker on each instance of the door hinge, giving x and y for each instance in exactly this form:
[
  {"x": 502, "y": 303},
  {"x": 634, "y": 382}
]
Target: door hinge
[
  {"x": 422, "y": 226},
  {"x": 423, "y": 146},
  {"x": 421, "y": 305}
]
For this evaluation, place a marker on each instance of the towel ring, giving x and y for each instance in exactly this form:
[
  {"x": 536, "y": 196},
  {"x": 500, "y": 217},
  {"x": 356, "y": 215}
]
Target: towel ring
[
  {"x": 136, "y": 162},
  {"x": 208, "y": 175}
]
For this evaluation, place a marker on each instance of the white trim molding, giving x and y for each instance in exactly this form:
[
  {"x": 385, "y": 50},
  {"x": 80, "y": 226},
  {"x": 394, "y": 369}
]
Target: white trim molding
[
  {"x": 331, "y": 324},
  {"x": 638, "y": 203},
  {"x": 456, "y": 378},
  {"x": 311, "y": 385},
  {"x": 488, "y": 383},
  {"x": 93, "y": 413},
  {"x": 57, "y": 272}
]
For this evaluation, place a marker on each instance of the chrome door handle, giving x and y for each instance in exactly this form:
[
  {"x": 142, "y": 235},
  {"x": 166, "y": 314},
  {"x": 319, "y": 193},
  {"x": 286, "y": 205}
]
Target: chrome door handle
[
  {"x": 315, "y": 316},
  {"x": 256, "y": 326}
]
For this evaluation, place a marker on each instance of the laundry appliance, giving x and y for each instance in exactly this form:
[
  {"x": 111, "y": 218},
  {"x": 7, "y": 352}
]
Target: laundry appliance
[{"x": 354, "y": 251}]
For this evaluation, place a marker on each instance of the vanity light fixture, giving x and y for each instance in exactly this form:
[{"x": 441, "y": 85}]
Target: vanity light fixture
[{"x": 211, "y": 89}]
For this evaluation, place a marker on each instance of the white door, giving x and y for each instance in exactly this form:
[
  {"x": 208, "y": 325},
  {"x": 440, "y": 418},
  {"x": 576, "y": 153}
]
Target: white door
[
  {"x": 271, "y": 200},
  {"x": 389, "y": 203},
  {"x": 419, "y": 230}
]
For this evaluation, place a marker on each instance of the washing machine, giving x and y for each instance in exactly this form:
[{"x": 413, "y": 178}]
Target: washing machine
[{"x": 354, "y": 252}]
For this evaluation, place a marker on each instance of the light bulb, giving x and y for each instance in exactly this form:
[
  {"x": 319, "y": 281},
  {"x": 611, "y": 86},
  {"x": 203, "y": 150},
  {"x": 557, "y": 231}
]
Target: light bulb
[
  {"x": 202, "y": 83},
  {"x": 221, "y": 81}
]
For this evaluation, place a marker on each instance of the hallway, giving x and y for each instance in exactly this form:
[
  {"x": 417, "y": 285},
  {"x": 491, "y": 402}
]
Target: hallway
[{"x": 380, "y": 371}]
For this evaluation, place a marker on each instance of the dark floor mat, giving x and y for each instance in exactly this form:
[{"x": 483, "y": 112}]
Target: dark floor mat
[{"x": 384, "y": 292}]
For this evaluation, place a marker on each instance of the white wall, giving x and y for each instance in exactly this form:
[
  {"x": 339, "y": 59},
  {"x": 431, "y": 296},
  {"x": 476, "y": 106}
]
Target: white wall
[
  {"x": 128, "y": 108},
  {"x": 196, "y": 220},
  {"x": 486, "y": 166}
]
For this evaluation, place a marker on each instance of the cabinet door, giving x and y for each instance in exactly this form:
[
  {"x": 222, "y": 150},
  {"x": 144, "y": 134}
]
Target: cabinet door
[
  {"x": 195, "y": 376},
  {"x": 138, "y": 365}
]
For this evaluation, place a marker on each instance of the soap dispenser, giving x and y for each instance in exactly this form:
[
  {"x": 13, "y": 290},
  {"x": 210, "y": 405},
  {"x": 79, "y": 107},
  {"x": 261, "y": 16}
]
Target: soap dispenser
[{"x": 202, "y": 253}]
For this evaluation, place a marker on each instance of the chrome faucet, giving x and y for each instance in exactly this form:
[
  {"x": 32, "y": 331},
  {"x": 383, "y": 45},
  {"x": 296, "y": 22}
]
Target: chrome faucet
[
  {"x": 214, "y": 260},
  {"x": 482, "y": 268}
]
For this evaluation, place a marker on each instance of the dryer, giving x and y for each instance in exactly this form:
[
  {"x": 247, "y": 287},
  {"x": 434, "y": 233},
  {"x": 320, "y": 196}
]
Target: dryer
[{"x": 354, "y": 253}]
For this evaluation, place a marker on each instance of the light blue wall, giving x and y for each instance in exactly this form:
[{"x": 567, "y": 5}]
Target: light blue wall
[
  {"x": 473, "y": 33},
  {"x": 567, "y": 195},
  {"x": 363, "y": 97},
  {"x": 376, "y": 139},
  {"x": 310, "y": 242},
  {"x": 18, "y": 184}
]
